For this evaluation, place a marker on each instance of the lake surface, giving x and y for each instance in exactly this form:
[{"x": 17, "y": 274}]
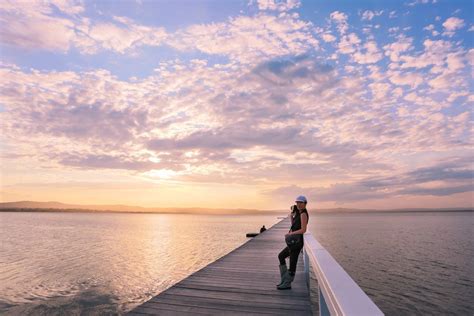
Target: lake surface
[
  {"x": 417, "y": 263},
  {"x": 107, "y": 263},
  {"x": 408, "y": 263}
]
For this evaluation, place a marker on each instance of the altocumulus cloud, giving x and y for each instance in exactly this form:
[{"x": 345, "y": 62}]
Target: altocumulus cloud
[
  {"x": 282, "y": 107},
  {"x": 448, "y": 178}
]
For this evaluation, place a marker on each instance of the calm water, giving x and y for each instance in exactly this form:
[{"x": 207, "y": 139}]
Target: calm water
[
  {"x": 409, "y": 264},
  {"x": 59, "y": 263}
]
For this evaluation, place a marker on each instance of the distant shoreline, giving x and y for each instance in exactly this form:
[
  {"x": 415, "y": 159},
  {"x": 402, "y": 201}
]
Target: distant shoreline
[
  {"x": 58, "y": 207},
  {"x": 53, "y": 210},
  {"x": 230, "y": 212}
]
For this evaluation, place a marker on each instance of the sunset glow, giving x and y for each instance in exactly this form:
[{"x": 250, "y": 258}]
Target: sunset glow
[{"x": 237, "y": 104}]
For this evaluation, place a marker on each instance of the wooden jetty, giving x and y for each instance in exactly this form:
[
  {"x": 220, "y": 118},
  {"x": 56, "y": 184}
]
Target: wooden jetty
[{"x": 242, "y": 282}]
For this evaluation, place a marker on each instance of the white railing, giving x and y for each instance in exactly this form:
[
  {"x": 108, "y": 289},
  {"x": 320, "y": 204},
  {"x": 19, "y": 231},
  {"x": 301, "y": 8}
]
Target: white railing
[{"x": 338, "y": 293}]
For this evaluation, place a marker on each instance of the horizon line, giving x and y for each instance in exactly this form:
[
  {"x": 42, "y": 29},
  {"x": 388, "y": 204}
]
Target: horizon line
[{"x": 129, "y": 208}]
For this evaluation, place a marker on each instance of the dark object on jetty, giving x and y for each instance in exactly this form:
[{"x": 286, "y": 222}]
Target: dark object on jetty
[{"x": 251, "y": 234}]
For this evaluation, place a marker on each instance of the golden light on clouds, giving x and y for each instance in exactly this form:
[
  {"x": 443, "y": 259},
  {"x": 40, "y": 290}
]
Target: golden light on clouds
[{"x": 361, "y": 107}]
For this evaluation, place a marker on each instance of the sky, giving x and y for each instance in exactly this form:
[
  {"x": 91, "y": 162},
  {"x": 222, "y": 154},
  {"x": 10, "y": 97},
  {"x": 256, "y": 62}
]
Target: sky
[{"x": 237, "y": 104}]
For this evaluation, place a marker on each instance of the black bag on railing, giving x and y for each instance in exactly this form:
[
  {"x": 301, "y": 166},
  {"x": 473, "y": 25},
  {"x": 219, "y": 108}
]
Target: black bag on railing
[{"x": 294, "y": 241}]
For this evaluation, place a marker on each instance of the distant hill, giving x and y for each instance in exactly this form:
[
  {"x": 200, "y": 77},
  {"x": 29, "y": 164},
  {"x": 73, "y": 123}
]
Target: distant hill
[
  {"x": 358, "y": 210},
  {"x": 32, "y": 206},
  {"x": 58, "y": 205}
]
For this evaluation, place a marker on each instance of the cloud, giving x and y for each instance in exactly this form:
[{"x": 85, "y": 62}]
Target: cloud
[
  {"x": 240, "y": 38},
  {"x": 431, "y": 28},
  {"x": 230, "y": 138},
  {"x": 248, "y": 39},
  {"x": 32, "y": 27},
  {"x": 434, "y": 54},
  {"x": 457, "y": 169},
  {"x": 409, "y": 78},
  {"x": 445, "y": 191},
  {"x": 349, "y": 43},
  {"x": 395, "y": 49},
  {"x": 35, "y": 26},
  {"x": 368, "y": 15},
  {"x": 372, "y": 54},
  {"x": 354, "y": 118},
  {"x": 451, "y": 25},
  {"x": 411, "y": 4},
  {"x": 263, "y": 106},
  {"x": 278, "y": 5},
  {"x": 328, "y": 38},
  {"x": 450, "y": 72},
  {"x": 380, "y": 90},
  {"x": 340, "y": 19},
  {"x": 340, "y": 193},
  {"x": 453, "y": 177},
  {"x": 118, "y": 38},
  {"x": 89, "y": 108},
  {"x": 95, "y": 109},
  {"x": 93, "y": 113},
  {"x": 70, "y": 7},
  {"x": 94, "y": 161}
]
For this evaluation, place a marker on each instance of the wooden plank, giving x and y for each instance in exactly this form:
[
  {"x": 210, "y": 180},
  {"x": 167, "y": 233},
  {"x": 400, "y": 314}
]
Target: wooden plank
[
  {"x": 293, "y": 293},
  {"x": 170, "y": 309},
  {"x": 163, "y": 311},
  {"x": 243, "y": 286},
  {"x": 239, "y": 283},
  {"x": 236, "y": 296},
  {"x": 220, "y": 304},
  {"x": 296, "y": 291}
]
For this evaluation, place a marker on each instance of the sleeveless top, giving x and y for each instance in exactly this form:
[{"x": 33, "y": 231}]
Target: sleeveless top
[{"x": 297, "y": 219}]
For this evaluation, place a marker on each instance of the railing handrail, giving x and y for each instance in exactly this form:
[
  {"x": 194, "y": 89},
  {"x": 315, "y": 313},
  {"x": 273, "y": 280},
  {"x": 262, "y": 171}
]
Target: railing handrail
[{"x": 341, "y": 293}]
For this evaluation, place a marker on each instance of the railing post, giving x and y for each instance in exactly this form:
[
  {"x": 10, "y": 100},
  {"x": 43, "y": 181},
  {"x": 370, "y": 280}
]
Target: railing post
[
  {"x": 323, "y": 307},
  {"x": 306, "y": 268}
]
